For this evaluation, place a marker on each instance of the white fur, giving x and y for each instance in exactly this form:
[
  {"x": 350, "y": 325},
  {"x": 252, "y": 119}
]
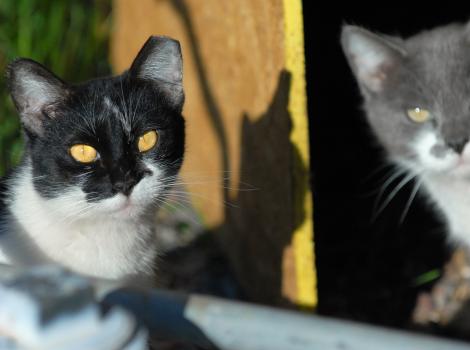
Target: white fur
[
  {"x": 370, "y": 55},
  {"x": 113, "y": 238},
  {"x": 368, "y": 59},
  {"x": 447, "y": 180},
  {"x": 423, "y": 147},
  {"x": 163, "y": 64}
]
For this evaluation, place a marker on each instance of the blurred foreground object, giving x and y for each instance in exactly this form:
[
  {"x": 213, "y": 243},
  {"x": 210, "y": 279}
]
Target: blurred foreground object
[
  {"x": 229, "y": 325},
  {"x": 49, "y": 308},
  {"x": 447, "y": 305}
]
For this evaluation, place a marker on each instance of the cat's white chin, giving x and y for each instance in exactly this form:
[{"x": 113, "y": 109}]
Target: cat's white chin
[
  {"x": 121, "y": 207},
  {"x": 461, "y": 169},
  {"x": 117, "y": 203}
]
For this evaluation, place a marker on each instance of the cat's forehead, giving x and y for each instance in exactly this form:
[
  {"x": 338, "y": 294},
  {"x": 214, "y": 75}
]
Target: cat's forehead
[
  {"x": 118, "y": 95},
  {"x": 112, "y": 104},
  {"x": 436, "y": 72},
  {"x": 441, "y": 56}
]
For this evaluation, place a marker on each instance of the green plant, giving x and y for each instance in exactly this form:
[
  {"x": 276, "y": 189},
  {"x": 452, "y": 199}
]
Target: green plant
[{"x": 68, "y": 37}]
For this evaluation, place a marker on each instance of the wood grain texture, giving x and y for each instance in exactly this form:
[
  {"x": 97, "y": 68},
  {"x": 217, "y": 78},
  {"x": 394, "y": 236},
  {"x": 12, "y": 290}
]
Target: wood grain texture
[{"x": 238, "y": 129}]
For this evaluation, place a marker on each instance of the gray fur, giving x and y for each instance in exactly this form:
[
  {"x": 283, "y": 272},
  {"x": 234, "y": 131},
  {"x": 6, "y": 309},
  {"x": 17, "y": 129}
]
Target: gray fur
[{"x": 430, "y": 70}]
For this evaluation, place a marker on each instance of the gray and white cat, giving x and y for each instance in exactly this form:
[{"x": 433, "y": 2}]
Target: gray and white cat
[
  {"x": 417, "y": 100},
  {"x": 99, "y": 158}
]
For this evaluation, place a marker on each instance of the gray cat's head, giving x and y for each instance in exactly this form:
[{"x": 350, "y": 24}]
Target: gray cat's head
[{"x": 417, "y": 94}]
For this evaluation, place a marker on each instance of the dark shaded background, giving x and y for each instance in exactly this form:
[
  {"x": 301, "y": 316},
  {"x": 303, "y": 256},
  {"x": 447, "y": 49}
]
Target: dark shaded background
[{"x": 366, "y": 271}]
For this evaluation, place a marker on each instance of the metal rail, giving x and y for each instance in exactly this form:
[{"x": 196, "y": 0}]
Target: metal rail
[
  {"x": 213, "y": 322},
  {"x": 231, "y": 325}
]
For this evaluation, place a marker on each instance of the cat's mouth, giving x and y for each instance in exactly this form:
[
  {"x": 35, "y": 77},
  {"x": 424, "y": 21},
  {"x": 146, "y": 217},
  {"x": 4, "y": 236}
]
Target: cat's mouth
[
  {"x": 125, "y": 206},
  {"x": 121, "y": 205}
]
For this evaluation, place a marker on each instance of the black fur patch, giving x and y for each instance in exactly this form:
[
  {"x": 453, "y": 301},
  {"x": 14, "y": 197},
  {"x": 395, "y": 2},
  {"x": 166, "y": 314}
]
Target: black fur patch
[{"x": 109, "y": 114}]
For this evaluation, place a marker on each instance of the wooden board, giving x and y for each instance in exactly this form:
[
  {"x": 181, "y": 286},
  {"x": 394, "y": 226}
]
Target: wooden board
[{"x": 247, "y": 143}]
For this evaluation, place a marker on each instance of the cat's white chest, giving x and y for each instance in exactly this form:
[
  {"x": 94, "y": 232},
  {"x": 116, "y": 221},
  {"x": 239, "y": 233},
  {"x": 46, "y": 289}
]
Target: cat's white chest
[
  {"x": 453, "y": 198},
  {"x": 107, "y": 248},
  {"x": 102, "y": 246}
]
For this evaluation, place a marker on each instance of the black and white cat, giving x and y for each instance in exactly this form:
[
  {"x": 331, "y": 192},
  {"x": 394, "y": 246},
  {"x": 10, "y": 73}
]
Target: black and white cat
[
  {"x": 417, "y": 100},
  {"x": 99, "y": 157}
]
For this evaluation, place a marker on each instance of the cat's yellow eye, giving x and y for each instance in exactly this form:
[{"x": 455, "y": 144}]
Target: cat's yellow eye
[
  {"x": 147, "y": 141},
  {"x": 83, "y": 153},
  {"x": 418, "y": 115}
]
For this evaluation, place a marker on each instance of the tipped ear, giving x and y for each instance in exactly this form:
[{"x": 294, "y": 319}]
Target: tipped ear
[
  {"x": 35, "y": 92},
  {"x": 372, "y": 58},
  {"x": 160, "y": 62}
]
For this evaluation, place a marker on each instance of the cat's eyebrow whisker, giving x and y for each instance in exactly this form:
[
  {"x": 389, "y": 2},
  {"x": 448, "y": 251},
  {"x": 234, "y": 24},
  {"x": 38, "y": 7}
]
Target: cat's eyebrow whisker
[
  {"x": 85, "y": 124},
  {"x": 134, "y": 113},
  {"x": 145, "y": 114},
  {"x": 125, "y": 108}
]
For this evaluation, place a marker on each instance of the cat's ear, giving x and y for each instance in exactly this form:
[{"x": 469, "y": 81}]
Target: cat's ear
[
  {"x": 373, "y": 58},
  {"x": 160, "y": 62},
  {"x": 35, "y": 92}
]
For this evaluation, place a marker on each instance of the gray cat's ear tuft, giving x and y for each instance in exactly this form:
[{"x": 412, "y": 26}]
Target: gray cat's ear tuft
[
  {"x": 160, "y": 62},
  {"x": 35, "y": 92},
  {"x": 371, "y": 57}
]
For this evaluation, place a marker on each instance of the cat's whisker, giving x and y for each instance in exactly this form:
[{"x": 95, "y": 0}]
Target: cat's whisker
[
  {"x": 125, "y": 108},
  {"x": 85, "y": 174},
  {"x": 39, "y": 177},
  {"x": 134, "y": 113},
  {"x": 393, "y": 193},
  {"x": 71, "y": 208},
  {"x": 380, "y": 181},
  {"x": 184, "y": 195},
  {"x": 189, "y": 195},
  {"x": 378, "y": 170},
  {"x": 410, "y": 200},
  {"x": 176, "y": 206},
  {"x": 208, "y": 183},
  {"x": 381, "y": 190},
  {"x": 204, "y": 177},
  {"x": 85, "y": 123}
]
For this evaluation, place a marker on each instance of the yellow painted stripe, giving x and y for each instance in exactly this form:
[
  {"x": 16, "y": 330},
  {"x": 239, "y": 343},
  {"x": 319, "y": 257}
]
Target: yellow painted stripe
[{"x": 303, "y": 235}]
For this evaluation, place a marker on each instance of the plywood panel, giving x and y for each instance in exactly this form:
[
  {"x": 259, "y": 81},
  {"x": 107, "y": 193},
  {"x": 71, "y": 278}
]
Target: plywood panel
[{"x": 243, "y": 159}]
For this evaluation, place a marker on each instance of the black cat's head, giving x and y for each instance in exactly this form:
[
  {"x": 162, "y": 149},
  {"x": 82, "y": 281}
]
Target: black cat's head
[{"x": 112, "y": 144}]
